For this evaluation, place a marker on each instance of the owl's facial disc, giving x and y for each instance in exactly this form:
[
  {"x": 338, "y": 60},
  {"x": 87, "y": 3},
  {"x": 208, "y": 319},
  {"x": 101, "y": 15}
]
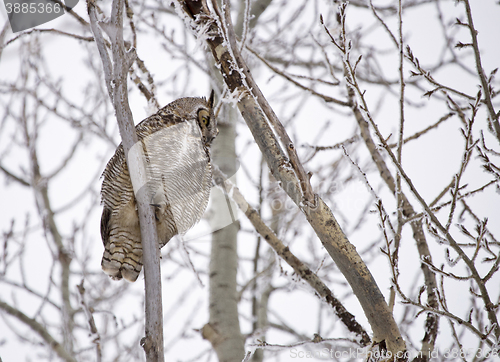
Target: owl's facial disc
[
  {"x": 204, "y": 122},
  {"x": 203, "y": 118}
]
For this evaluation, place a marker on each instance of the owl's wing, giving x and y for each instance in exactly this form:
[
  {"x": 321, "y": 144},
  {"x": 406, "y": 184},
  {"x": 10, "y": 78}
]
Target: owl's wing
[
  {"x": 179, "y": 172},
  {"x": 116, "y": 189}
]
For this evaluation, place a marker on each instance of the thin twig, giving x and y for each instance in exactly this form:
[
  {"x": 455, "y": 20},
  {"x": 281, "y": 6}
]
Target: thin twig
[
  {"x": 96, "y": 338},
  {"x": 53, "y": 31},
  {"x": 480, "y": 71},
  {"x": 424, "y": 131},
  {"x": 305, "y": 185},
  {"x": 326, "y": 98}
]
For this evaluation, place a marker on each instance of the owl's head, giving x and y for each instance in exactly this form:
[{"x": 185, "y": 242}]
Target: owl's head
[{"x": 199, "y": 109}]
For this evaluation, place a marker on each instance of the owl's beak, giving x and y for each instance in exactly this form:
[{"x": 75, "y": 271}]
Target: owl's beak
[
  {"x": 208, "y": 141},
  {"x": 216, "y": 134}
]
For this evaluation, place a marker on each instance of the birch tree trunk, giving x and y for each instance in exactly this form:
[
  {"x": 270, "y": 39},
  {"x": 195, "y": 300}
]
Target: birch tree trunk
[{"x": 223, "y": 329}]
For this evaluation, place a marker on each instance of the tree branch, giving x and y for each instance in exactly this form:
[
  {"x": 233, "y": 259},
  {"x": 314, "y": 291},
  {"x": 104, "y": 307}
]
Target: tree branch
[
  {"x": 316, "y": 211},
  {"x": 14, "y": 177},
  {"x": 284, "y": 252},
  {"x": 407, "y": 209},
  {"x": 480, "y": 71},
  {"x": 117, "y": 89},
  {"x": 470, "y": 264},
  {"x": 40, "y": 330},
  {"x": 305, "y": 186}
]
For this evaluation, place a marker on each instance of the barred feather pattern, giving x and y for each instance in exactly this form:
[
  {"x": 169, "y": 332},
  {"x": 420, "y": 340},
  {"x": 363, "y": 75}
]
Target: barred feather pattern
[{"x": 175, "y": 143}]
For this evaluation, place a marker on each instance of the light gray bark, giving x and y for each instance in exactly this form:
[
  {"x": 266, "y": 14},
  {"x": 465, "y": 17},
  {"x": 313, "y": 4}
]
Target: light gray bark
[
  {"x": 223, "y": 330},
  {"x": 289, "y": 172},
  {"x": 298, "y": 266},
  {"x": 117, "y": 88}
]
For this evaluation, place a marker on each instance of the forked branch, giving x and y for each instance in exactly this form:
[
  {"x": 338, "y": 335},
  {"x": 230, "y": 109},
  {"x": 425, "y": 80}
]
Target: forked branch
[{"x": 236, "y": 74}]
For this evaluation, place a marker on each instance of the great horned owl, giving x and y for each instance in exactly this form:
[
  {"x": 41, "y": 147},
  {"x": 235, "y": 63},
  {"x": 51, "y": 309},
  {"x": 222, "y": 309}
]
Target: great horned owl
[{"x": 175, "y": 142}]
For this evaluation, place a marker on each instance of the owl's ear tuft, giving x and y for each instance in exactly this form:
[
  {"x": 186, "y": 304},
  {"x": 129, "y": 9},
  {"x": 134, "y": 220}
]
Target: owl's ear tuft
[{"x": 211, "y": 99}]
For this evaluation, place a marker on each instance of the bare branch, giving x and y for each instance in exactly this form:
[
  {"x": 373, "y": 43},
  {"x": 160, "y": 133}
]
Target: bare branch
[
  {"x": 116, "y": 80},
  {"x": 407, "y": 208},
  {"x": 289, "y": 78},
  {"x": 305, "y": 185},
  {"x": 284, "y": 252},
  {"x": 424, "y": 131},
  {"x": 480, "y": 71},
  {"x": 10, "y": 175},
  {"x": 96, "y": 338},
  {"x": 484, "y": 292},
  {"x": 317, "y": 213},
  {"x": 40, "y": 330},
  {"x": 52, "y": 31}
]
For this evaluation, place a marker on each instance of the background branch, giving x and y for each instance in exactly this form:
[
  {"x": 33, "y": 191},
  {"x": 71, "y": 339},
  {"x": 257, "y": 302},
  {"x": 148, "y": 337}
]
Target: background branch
[{"x": 40, "y": 330}]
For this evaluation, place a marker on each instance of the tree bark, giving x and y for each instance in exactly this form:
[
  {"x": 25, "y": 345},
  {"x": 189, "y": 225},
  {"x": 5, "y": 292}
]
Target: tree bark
[
  {"x": 116, "y": 83},
  {"x": 223, "y": 330},
  {"x": 239, "y": 81},
  {"x": 298, "y": 266},
  {"x": 432, "y": 320}
]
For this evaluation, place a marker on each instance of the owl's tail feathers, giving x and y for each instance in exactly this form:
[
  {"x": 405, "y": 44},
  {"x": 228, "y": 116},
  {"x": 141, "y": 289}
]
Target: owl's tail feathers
[{"x": 122, "y": 261}]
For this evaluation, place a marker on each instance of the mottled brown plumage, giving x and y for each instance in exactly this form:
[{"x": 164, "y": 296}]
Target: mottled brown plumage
[{"x": 175, "y": 142}]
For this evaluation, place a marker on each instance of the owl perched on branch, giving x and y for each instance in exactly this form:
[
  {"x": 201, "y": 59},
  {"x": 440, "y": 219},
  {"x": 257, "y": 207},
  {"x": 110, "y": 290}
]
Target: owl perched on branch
[{"x": 175, "y": 143}]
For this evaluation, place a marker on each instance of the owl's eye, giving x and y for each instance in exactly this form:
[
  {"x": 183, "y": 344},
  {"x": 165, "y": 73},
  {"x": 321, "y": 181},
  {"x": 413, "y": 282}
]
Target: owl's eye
[{"x": 203, "y": 117}]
